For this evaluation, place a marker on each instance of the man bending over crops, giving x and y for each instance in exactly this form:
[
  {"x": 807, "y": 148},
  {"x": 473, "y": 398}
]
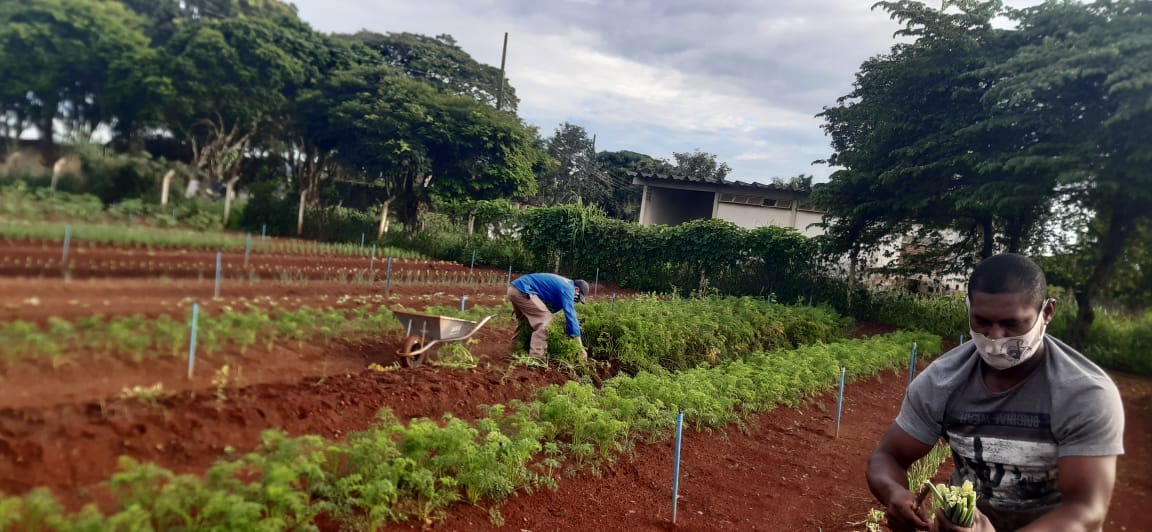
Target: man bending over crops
[
  {"x": 1032, "y": 423},
  {"x": 536, "y": 297}
]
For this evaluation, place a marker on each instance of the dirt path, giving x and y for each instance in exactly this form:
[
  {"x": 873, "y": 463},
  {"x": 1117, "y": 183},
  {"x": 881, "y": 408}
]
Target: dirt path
[
  {"x": 73, "y": 447},
  {"x": 788, "y": 473},
  {"x": 64, "y": 429}
]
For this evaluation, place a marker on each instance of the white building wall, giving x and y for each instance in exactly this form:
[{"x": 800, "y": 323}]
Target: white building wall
[
  {"x": 751, "y": 216},
  {"x": 806, "y": 218}
]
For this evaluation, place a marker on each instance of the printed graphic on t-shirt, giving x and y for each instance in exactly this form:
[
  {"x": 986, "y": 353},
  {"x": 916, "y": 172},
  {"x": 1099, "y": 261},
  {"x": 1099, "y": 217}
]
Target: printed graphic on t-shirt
[{"x": 1010, "y": 456}]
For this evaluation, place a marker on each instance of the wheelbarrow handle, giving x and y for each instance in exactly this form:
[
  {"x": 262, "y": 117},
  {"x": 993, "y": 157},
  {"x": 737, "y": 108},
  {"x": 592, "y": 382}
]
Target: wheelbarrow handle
[{"x": 429, "y": 345}]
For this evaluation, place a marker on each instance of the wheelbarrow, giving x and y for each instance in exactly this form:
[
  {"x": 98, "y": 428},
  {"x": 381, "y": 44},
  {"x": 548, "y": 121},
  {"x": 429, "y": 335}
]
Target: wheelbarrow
[{"x": 425, "y": 332}]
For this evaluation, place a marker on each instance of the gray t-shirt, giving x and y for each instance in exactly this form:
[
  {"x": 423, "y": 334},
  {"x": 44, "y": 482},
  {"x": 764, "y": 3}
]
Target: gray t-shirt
[{"x": 1008, "y": 443}]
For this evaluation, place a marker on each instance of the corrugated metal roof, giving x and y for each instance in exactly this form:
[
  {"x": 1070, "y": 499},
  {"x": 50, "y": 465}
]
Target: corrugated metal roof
[{"x": 692, "y": 179}]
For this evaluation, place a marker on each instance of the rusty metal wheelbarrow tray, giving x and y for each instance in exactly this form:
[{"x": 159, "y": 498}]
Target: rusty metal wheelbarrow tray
[{"x": 425, "y": 331}]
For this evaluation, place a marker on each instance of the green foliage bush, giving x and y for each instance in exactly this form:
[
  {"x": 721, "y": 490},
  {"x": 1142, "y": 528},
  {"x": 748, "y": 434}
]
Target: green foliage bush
[
  {"x": 269, "y": 209},
  {"x": 339, "y": 224},
  {"x": 1115, "y": 341},
  {"x": 114, "y": 177},
  {"x": 19, "y": 201},
  {"x": 394, "y": 472},
  {"x": 647, "y": 333},
  {"x": 458, "y": 247}
]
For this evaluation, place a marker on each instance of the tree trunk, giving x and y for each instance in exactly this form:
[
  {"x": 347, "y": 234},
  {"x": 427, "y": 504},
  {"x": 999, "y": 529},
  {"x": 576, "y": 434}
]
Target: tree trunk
[
  {"x": 1012, "y": 235},
  {"x": 409, "y": 209},
  {"x": 1111, "y": 246},
  {"x": 851, "y": 276},
  {"x": 57, "y": 169},
  {"x": 384, "y": 218},
  {"x": 300, "y": 215},
  {"x": 47, "y": 143},
  {"x": 229, "y": 193},
  {"x": 165, "y": 184},
  {"x": 471, "y": 224},
  {"x": 989, "y": 235}
]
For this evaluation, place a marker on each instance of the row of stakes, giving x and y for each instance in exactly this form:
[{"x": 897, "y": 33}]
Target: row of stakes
[
  {"x": 463, "y": 300},
  {"x": 371, "y": 264},
  {"x": 839, "y": 412}
]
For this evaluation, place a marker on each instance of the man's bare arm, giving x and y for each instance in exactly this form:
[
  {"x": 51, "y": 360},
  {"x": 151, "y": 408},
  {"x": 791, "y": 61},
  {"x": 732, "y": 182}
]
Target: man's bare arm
[
  {"x": 888, "y": 478},
  {"x": 1086, "y": 484}
]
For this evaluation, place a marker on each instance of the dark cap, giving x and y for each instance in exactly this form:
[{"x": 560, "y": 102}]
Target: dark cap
[{"x": 582, "y": 295}]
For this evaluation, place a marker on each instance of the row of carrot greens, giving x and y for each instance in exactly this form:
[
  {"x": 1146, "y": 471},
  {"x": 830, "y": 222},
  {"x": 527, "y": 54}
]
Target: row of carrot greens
[{"x": 398, "y": 470}]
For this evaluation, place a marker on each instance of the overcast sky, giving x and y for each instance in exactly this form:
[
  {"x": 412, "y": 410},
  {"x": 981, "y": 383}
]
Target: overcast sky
[{"x": 742, "y": 79}]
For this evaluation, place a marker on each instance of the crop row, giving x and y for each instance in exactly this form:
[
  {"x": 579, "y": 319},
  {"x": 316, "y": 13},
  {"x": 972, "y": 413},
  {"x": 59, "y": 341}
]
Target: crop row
[
  {"x": 646, "y": 333},
  {"x": 148, "y": 238},
  {"x": 369, "y": 272},
  {"x": 397, "y": 472},
  {"x": 141, "y": 337}
]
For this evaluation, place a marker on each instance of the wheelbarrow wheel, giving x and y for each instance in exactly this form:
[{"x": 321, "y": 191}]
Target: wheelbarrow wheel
[{"x": 412, "y": 344}]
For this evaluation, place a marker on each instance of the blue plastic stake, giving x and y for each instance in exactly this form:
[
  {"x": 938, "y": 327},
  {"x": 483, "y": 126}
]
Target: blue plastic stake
[
  {"x": 361, "y": 239},
  {"x": 596, "y": 286},
  {"x": 462, "y": 300},
  {"x": 840, "y": 402},
  {"x": 247, "y": 249},
  {"x": 388, "y": 279},
  {"x": 676, "y": 473},
  {"x": 509, "y": 274},
  {"x": 216, "y": 291},
  {"x": 372, "y": 261},
  {"x": 912, "y": 365},
  {"x": 67, "y": 239},
  {"x": 961, "y": 338},
  {"x": 263, "y": 231},
  {"x": 612, "y": 306},
  {"x": 192, "y": 343},
  {"x": 473, "y": 266}
]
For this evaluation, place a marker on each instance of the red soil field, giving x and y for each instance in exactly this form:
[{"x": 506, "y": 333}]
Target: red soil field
[{"x": 64, "y": 428}]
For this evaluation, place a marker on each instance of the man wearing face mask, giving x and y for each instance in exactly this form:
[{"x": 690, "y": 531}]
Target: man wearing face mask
[{"x": 1031, "y": 422}]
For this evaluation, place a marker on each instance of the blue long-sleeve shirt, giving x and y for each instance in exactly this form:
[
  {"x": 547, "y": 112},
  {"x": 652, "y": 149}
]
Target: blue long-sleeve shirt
[{"x": 558, "y": 293}]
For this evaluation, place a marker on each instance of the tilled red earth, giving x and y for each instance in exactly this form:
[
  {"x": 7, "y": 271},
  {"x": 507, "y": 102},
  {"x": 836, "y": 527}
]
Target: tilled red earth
[
  {"x": 788, "y": 472},
  {"x": 65, "y": 428}
]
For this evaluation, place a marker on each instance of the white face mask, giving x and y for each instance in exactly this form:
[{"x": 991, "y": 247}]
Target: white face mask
[{"x": 1005, "y": 353}]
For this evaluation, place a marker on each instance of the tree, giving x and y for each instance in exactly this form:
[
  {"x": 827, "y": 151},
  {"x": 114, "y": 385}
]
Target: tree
[
  {"x": 624, "y": 202},
  {"x": 440, "y": 62},
  {"x": 233, "y": 77},
  {"x": 1081, "y": 85},
  {"x": 416, "y": 142},
  {"x": 701, "y": 166},
  {"x": 166, "y": 17},
  {"x": 921, "y": 151},
  {"x": 79, "y": 62},
  {"x": 577, "y": 173}
]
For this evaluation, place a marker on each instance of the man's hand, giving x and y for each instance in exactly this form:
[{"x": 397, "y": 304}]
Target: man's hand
[
  {"x": 903, "y": 515},
  {"x": 888, "y": 479},
  {"x": 943, "y": 524}
]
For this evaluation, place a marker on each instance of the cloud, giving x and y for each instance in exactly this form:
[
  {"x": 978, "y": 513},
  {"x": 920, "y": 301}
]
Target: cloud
[{"x": 740, "y": 78}]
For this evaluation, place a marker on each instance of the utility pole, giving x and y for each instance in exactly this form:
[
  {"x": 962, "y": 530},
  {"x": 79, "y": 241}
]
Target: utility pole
[{"x": 500, "y": 82}]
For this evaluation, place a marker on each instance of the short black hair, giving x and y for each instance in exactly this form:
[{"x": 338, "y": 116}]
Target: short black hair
[{"x": 1009, "y": 273}]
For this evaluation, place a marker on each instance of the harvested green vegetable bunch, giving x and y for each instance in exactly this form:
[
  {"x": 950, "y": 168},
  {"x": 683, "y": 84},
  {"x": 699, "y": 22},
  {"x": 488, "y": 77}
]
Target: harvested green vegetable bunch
[{"x": 958, "y": 502}]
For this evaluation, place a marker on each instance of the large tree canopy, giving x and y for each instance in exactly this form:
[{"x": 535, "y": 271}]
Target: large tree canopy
[
  {"x": 986, "y": 133},
  {"x": 442, "y": 63},
  {"x": 417, "y": 141},
  {"x": 80, "y": 62}
]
